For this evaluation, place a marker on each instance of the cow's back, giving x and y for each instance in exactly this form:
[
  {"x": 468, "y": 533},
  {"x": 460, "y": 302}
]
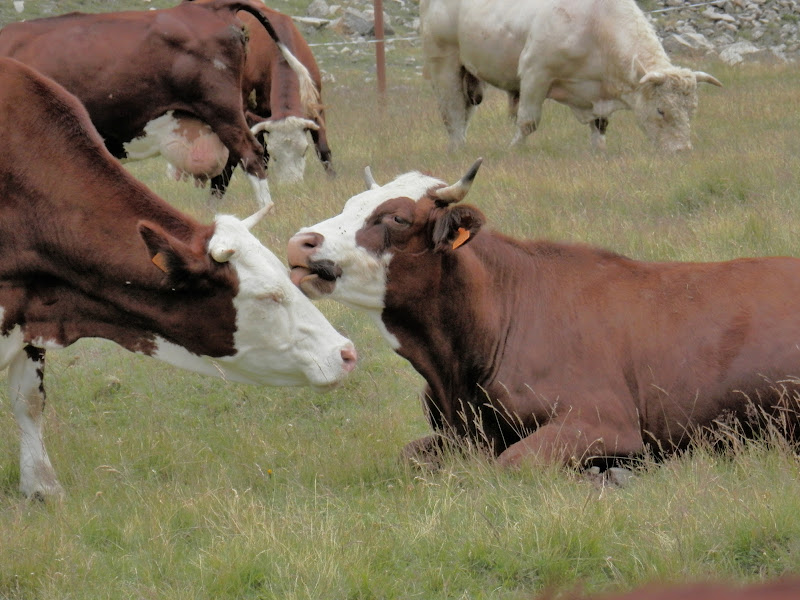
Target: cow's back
[
  {"x": 498, "y": 41},
  {"x": 117, "y": 63}
]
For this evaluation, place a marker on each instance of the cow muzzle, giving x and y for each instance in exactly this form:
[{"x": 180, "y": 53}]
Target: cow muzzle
[{"x": 315, "y": 278}]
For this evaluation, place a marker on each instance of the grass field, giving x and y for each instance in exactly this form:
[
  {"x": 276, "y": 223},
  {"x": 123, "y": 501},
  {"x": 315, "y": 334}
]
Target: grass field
[{"x": 181, "y": 486}]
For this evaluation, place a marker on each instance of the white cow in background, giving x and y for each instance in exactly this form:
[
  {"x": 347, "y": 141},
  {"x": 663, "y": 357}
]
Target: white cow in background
[{"x": 595, "y": 56}]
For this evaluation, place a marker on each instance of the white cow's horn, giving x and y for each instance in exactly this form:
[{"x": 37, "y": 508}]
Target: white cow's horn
[
  {"x": 457, "y": 191},
  {"x": 369, "y": 180},
  {"x": 253, "y": 219},
  {"x": 703, "y": 77}
]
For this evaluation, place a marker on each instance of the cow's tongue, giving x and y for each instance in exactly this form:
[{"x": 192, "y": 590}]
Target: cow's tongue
[{"x": 297, "y": 275}]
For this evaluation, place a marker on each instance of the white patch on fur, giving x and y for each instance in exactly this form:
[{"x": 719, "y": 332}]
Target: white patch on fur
[{"x": 219, "y": 64}]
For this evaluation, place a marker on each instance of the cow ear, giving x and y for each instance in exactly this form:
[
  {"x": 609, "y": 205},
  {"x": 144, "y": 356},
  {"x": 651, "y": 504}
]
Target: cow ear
[
  {"x": 456, "y": 226},
  {"x": 168, "y": 253}
]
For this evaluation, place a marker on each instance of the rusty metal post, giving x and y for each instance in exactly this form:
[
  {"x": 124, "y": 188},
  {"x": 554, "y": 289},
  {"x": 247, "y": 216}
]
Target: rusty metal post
[{"x": 380, "y": 51}]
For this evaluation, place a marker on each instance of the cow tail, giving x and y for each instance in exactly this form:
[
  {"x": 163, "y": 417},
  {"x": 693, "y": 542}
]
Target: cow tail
[{"x": 309, "y": 94}]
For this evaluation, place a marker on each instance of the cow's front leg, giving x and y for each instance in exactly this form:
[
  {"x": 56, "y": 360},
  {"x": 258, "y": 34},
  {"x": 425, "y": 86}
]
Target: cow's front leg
[
  {"x": 26, "y": 386},
  {"x": 573, "y": 442}
]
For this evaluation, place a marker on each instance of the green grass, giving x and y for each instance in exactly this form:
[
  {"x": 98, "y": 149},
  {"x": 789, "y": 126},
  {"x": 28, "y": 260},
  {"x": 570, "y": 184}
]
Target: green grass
[{"x": 182, "y": 486}]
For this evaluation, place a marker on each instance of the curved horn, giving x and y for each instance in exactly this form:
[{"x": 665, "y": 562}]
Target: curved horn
[
  {"x": 253, "y": 219},
  {"x": 261, "y": 126},
  {"x": 221, "y": 254},
  {"x": 309, "y": 124},
  {"x": 655, "y": 77},
  {"x": 703, "y": 77},
  {"x": 457, "y": 191},
  {"x": 369, "y": 180}
]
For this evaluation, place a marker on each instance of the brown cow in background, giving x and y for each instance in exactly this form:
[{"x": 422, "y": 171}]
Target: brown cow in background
[{"x": 131, "y": 68}]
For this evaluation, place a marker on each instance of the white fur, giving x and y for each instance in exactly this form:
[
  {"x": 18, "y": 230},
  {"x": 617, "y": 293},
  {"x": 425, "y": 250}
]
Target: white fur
[{"x": 587, "y": 54}]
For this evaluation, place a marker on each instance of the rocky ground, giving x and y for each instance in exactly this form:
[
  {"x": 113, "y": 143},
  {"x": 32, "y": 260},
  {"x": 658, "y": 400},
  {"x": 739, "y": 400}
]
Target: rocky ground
[{"x": 732, "y": 30}]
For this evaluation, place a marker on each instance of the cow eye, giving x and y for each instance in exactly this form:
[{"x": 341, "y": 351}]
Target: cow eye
[{"x": 401, "y": 221}]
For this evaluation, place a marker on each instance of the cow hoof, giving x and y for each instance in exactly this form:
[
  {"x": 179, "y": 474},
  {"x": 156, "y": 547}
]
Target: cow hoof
[{"x": 424, "y": 454}]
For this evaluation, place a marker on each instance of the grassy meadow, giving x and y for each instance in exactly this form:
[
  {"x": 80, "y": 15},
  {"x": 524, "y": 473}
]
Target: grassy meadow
[{"x": 181, "y": 486}]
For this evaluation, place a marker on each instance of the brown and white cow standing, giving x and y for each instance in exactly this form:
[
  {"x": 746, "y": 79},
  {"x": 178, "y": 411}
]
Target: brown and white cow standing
[
  {"x": 286, "y": 106},
  {"x": 89, "y": 251},
  {"x": 550, "y": 351},
  {"x": 130, "y": 68},
  {"x": 595, "y": 56}
]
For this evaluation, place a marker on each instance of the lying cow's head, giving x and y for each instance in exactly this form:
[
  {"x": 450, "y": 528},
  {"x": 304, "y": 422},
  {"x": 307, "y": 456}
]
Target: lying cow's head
[
  {"x": 280, "y": 337},
  {"x": 664, "y": 104},
  {"x": 347, "y": 257},
  {"x": 286, "y": 142}
]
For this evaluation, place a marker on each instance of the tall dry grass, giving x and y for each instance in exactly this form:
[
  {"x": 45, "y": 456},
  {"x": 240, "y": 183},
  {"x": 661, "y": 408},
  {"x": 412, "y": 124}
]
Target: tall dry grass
[{"x": 181, "y": 486}]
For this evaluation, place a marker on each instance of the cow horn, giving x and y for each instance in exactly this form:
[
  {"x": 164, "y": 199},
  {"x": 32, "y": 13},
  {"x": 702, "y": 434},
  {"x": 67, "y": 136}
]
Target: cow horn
[
  {"x": 457, "y": 191},
  {"x": 309, "y": 124},
  {"x": 261, "y": 126},
  {"x": 369, "y": 180},
  {"x": 253, "y": 219},
  {"x": 655, "y": 77},
  {"x": 703, "y": 77},
  {"x": 221, "y": 254}
]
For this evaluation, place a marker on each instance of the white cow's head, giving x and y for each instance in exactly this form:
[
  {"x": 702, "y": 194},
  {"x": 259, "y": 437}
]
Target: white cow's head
[
  {"x": 664, "y": 104},
  {"x": 281, "y": 338},
  {"x": 287, "y": 142}
]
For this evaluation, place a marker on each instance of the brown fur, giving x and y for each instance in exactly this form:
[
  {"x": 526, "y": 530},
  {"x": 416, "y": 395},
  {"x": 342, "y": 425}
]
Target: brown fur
[
  {"x": 78, "y": 233},
  {"x": 544, "y": 351},
  {"x": 138, "y": 65}
]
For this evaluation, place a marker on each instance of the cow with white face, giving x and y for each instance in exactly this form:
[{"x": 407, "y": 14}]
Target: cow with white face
[
  {"x": 595, "y": 56},
  {"x": 89, "y": 251}
]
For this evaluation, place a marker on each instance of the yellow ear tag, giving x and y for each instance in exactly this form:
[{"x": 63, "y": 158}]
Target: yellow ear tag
[
  {"x": 160, "y": 261},
  {"x": 463, "y": 236}
]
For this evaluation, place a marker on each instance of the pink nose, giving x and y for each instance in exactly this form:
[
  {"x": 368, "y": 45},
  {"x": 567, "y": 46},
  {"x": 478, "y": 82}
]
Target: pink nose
[
  {"x": 349, "y": 358},
  {"x": 301, "y": 246}
]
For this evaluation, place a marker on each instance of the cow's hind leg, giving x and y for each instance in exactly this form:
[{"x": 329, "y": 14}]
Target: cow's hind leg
[
  {"x": 457, "y": 93},
  {"x": 598, "y": 127},
  {"x": 26, "y": 385},
  {"x": 532, "y": 95}
]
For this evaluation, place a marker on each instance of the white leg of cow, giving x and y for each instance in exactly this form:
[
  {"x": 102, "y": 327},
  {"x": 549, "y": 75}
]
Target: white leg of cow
[
  {"x": 454, "y": 107},
  {"x": 25, "y": 375},
  {"x": 261, "y": 189}
]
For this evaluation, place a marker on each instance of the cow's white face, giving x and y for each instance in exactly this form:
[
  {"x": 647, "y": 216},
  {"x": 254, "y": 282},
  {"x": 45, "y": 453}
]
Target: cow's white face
[
  {"x": 664, "y": 105},
  {"x": 287, "y": 145},
  {"x": 339, "y": 267},
  {"x": 281, "y": 337}
]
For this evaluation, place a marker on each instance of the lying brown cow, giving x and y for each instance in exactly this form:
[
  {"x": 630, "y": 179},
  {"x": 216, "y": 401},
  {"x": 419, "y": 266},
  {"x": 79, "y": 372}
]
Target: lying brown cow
[
  {"x": 549, "y": 351},
  {"x": 88, "y": 251},
  {"x": 130, "y": 68}
]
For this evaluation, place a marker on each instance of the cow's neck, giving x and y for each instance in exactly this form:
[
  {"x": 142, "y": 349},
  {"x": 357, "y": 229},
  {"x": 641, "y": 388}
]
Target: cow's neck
[{"x": 454, "y": 320}]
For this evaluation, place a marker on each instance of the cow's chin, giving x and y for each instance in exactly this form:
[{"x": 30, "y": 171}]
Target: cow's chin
[{"x": 311, "y": 284}]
